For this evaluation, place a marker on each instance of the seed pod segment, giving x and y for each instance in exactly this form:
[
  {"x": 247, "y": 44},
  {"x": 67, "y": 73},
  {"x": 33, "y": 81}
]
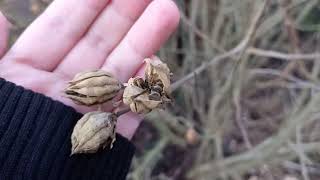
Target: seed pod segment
[
  {"x": 94, "y": 130},
  {"x": 138, "y": 98},
  {"x": 142, "y": 96},
  {"x": 157, "y": 73},
  {"x": 93, "y": 87}
]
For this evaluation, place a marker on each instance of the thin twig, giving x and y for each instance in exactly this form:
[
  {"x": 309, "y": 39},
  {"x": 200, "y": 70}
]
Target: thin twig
[
  {"x": 242, "y": 46},
  {"x": 280, "y": 55},
  {"x": 297, "y": 81},
  {"x": 212, "y": 62},
  {"x": 237, "y": 91},
  {"x": 297, "y": 167},
  {"x": 259, "y": 52},
  {"x": 238, "y": 49},
  {"x": 263, "y": 151},
  {"x": 201, "y": 34},
  {"x": 293, "y": 38},
  {"x": 301, "y": 154},
  {"x": 150, "y": 159},
  {"x": 239, "y": 121}
]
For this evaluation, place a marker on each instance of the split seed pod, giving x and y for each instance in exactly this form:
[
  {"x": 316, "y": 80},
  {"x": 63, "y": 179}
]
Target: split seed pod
[
  {"x": 142, "y": 96},
  {"x": 158, "y": 73},
  {"x": 93, "y": 131},
  {"x": 138, "y": 98},
  {"x": 93, "y": 87}
]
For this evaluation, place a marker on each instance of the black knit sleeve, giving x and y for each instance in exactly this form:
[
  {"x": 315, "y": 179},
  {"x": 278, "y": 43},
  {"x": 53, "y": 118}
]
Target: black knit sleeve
[{"x": 35, "y": 141}]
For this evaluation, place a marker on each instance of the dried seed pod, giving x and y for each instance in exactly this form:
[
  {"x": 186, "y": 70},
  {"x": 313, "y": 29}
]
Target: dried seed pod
[
  {"x": 94, "y": 130},
  {"x": 158, "y": 74},
  {"x": 192, "y": 136},
  {"x": 93, "y": 87},
  {"x": 145, "y": 95},
  {"x": 138, "y": 98}
]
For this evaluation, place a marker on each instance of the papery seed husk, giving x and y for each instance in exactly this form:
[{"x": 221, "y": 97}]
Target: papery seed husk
[
  {"x": 96, "y": 91},
  {"x": 157, "y": 71},
  {"x": 93, "y": 87},
  {"x": 143, "y": 104},
  {"x": 138, "y": 99},
  {"x": 93, "y": 131},
  {"x": 99, "y": 81},
  {"x": 131, "y": 90},
  {"x": 130, "y": 93},
  {"x": 88, "y": 74},
  {"x": 89, "y": 101},
  {"x": 142, "y": 96}
]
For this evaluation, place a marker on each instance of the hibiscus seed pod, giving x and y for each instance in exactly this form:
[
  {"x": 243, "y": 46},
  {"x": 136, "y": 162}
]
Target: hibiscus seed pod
[
  {"x": 157, "y": 73},
  {"x": 93, "y": 87},
  {"x": 138, "y": 99},
  {"x": 93, "y": 131}
]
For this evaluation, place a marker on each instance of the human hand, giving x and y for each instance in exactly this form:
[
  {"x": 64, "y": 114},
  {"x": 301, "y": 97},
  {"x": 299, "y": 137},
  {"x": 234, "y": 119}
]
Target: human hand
[{"x": 73, "y": 36}]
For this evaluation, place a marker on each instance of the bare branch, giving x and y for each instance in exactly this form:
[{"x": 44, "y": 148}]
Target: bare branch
[{"x": 283, "y": 56}]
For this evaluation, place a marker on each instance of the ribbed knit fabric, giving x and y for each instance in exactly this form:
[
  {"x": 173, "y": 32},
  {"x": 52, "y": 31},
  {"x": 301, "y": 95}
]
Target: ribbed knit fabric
[{"x": 35, "y": 141}]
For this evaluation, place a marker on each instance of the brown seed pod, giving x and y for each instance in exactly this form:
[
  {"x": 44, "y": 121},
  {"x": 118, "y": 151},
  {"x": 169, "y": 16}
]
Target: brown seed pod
[
  {"x": 157, "y": 73},
  {"x": 138, "y": 98},
  {"x": 93, "y": 87},
  {"x": 145, "y": 95},
  {"x": 192, "y": 136},
  {"x": 93, "y": 131}
]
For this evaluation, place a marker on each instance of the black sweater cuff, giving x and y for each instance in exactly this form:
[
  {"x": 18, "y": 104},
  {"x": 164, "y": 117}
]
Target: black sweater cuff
[{"x": 35, "y": 141}]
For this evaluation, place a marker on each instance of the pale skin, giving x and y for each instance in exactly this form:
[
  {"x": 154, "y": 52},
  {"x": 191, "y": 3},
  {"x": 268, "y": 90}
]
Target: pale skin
[{"x": 76, "y": 35}]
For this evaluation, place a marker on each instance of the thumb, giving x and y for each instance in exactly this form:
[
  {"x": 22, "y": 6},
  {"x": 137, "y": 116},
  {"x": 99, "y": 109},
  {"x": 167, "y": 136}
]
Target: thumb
[{"x": 4, "y": 31}]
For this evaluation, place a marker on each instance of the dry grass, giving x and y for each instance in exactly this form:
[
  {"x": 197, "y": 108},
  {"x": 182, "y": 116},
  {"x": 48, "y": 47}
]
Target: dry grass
[{"x": 254, "y": 100}]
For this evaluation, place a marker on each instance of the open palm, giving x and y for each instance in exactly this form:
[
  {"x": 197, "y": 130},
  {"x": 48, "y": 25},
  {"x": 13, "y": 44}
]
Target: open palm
[{"x": 77, "y": 35}]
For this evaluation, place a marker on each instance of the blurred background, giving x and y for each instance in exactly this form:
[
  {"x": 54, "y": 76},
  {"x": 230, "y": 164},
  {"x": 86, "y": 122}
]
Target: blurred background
[{"x": 251, "y": 111}]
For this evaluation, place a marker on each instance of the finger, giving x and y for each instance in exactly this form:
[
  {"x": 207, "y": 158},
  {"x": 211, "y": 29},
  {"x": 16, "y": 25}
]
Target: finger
[
  {"x": 103, "y": 36},
  {"x": 55, "y": 32},
  {"x": 4, "y": 29},
  {"x": 128, "y": 123},
  {"x": 151, "y": 30}
]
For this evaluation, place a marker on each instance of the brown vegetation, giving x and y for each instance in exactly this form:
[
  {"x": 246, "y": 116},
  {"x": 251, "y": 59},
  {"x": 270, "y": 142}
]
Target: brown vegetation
[{"x": 250, "y": 108}]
